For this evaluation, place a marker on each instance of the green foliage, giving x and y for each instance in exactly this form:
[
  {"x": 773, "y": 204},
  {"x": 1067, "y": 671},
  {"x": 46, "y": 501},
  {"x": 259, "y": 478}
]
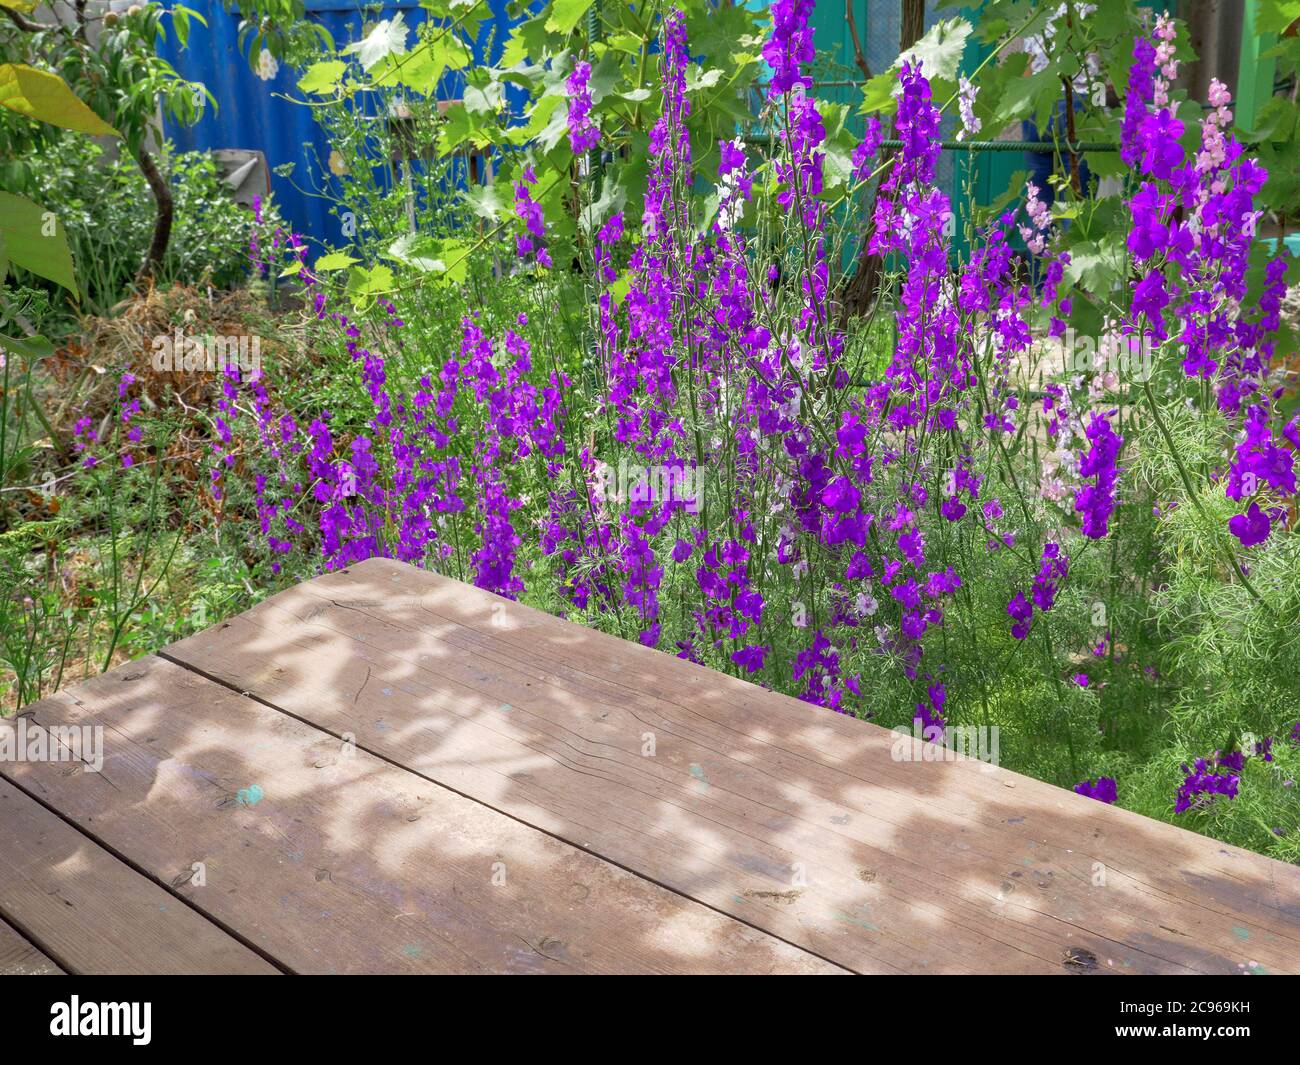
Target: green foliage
[
  {"x": 104, "y": 208},
  {"x": 390, "y": 72},
  {"x": 279, "y": 27},
  {"x": 1277, "y": 122}
]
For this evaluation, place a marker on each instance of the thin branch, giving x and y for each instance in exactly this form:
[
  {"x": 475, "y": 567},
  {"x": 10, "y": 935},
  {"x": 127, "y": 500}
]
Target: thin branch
[
  {"x": 1075, "y": 182},
  {"x": 23, "y": 24},
  {"x": 858, "y": 56}
]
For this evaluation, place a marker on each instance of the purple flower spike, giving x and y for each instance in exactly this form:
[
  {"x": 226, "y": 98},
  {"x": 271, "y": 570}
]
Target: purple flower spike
[
  {"x": 583, "y": 134},
  {"x": 1097, "y": 501},
  {"x": 790, "y": 45}
]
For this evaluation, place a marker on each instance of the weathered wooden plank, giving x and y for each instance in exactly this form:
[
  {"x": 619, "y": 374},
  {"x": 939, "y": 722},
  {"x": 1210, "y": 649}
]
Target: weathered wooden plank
[
  {"x": 93, "y": 912},
  {"x": 20, "y": 958},
  {"x": 331, "y": 860},
  {"x": 797, "y": 820}
]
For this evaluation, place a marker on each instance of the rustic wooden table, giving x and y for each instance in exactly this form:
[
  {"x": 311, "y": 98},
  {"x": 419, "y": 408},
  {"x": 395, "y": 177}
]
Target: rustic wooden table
[{"x": 383, "y": 770}]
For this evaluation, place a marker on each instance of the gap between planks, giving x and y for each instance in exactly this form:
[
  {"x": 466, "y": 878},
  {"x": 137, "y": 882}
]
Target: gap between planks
[
  {"x": 19, "y": 956},
  {"x": 177, "y": 739},
  {"x": 76, "y": 873},
  {"x": 689, "y": 899}
]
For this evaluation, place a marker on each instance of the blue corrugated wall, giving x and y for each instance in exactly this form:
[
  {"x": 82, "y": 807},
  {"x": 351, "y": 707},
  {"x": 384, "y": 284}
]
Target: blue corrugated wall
[{"x": 252, "y": 113}]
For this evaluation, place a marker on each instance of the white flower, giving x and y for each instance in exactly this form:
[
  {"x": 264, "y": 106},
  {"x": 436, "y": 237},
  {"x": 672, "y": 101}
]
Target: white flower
[
  {"x": 966, "y": 105},
  {"x": 267, "y": 67}
]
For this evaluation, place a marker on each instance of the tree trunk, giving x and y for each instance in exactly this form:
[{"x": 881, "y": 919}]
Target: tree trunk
[
  {"x": 164, "y": 210},
  {"x": 913, "y": 24},
  {"x": 859, "y": 292}
]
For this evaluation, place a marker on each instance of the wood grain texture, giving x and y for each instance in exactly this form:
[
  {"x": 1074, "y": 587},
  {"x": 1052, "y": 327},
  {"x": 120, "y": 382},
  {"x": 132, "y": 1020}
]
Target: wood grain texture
[
  {"x": 20, "y": 958},
  {"x": 793, "y": 819},
  {"x": 94, "y": 913},
  {"x": 330, "y": 860}
]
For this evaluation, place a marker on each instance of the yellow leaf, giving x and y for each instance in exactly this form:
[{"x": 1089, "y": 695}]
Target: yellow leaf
[{"x": 46, "y": 97}]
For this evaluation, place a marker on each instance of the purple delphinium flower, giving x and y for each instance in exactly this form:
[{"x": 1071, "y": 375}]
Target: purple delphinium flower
[
  {"x": 1234, "y": 760},
  {"x": 818, "y": 666},
  {"x": 1161, "y": 151},
  {"x": 129, "y": 409},
  {"x": 1104, "y": 789},
  {"x": 790, "y": 45},
  {"x": 1055, "y": 566},
  {"x": 1022, "y": 614},
  {"x": 864, "y": 153},
  {"x": 750, "y": 657},
  {"x": 929, "y": 715},
  {"x": 84, "y": 438},
  {"x": 1204, "y": 781},
  {"x": 1194, "y": 228},
  {"x": 1097, "y": 501},
  {"x": 1141, "y": 92},
  {"x": 583, "y": 134},
  {"x": 732, "y": 163},
  {"x": 1258, "y": 461},
  {"x": 529, "y": 211},
  {"x": 1251, "y": 528}
]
